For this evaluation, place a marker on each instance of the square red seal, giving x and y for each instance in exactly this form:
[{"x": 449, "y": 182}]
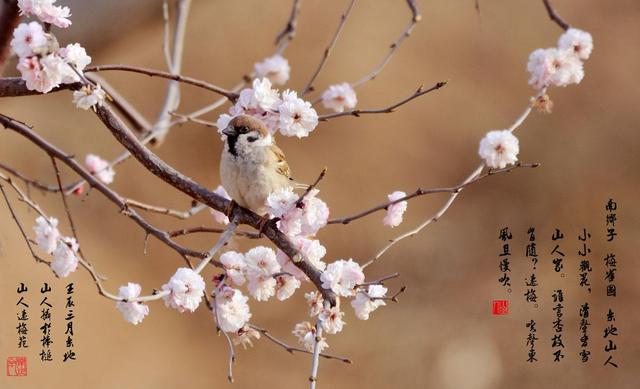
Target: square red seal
[
  {"x": 500, "y": 307},
  {"x": 16, "y": 366}
]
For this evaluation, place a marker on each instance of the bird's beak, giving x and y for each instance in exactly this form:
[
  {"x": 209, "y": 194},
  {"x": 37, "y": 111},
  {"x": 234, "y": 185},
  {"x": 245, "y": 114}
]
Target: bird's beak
[{"x": 228, "y": 131}]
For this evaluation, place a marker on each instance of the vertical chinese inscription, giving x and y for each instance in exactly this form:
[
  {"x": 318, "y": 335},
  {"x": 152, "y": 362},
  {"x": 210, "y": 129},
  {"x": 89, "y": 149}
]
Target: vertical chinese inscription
[
  {"x": 611, "y": 267},
  {"x": 46, "y": 340},
  {"x": 22, "y": 328},
  {"x": 69, "y": 355}
]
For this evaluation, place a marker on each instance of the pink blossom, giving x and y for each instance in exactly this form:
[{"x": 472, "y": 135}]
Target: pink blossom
[
  {"x": 261, "y": 265},
  {"x": 47, "y": 234},
  {"x": 395, "y": 212},
  {"x": 305, "y": 332},
  {"x": 297, "y": 117},
  {"x": 218, "y": 216},
  {"x": 368, "y": 301},
  {"x": 577, "y": 41},
  {"x": 286, "y": 286},
  {"x": 339, "y": 97},
  {"x": 342, "y": 276},
  {"x": 46, "y": 11},
  {"x": 133, "y": 312},
  {"x": 29, "y": 39},
  {"x": 185, "y": 288},
  {"x": 65, "y": 259},
  {"x": 315, "y": 302},
  {"x": 275, "y": 68},
  {"x": 331, "y": 319},
  {"x": 232, "y": 310},
  {"x": 100, "y": 168},
  {"x": 234, "y": 266}
]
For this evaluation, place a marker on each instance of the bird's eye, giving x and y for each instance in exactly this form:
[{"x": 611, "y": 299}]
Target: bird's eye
[
  {"x": 252, "y": 138},
  {"x": 243, "y": 130}
]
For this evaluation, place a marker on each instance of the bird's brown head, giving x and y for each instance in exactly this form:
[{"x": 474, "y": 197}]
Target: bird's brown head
[{"x": 245, "y": 133}]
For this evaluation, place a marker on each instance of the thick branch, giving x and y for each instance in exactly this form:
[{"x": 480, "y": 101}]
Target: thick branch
[{"x": 53, "y": 151}]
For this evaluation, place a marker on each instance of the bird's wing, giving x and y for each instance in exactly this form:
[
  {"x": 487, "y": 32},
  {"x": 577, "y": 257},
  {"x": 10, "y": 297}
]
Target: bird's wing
[{"x": 282, "y": 167}]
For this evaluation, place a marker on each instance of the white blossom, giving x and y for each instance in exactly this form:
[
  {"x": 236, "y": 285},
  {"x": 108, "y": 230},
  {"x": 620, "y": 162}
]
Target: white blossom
[
  {"x": 29, "y": 39},
  {"x": 499, "y": 148},
  {"x": 306, "y": 335},
  {"x": 261, "y": 265},
  {"x": 234, "y": 266},
  {"x": 294, "y": 221},
  {"x": 366, "y": 302},
  {"x": 218, "y": 216},
  {"x": 88, "y": 97},
  {"x": 47, "y": 234},
  {"x": 65, "y": 259},
  {"x": 342, "y": 276},
  {"x": 554, "y": 67},
  {"x": 331, "y": 319},
  {"x": 286, "y": 286},
  {"x": 244, "y": 336},
  {"x": 42, "y": 74},
  {"x": 232, "y": 310},
  {"x": 186, "y": 288},
  {"x": 395, "y": 211},
  {"x": 297, "y": 117},
  {"x": 315, "y": 302},
  {"x": 75, "y": 55},
  {"x": 46, "y": 11},
  {"x": 133, "y": 312},
  {"x": 311, "y": 250},
  {"x": 275, "y": 68},
  {"x": 339, "y": 97},
  {"x": 578, "y": 41},
  {"x": 262, "y": 96},
  {"x": 99, "y": 168}
]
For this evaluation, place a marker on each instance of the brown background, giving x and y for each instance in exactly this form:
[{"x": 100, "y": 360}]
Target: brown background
[{"x": 441, "y": 334}]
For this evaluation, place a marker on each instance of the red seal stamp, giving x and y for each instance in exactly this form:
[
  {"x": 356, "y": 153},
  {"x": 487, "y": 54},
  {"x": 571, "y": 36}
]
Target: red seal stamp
[
  {"x": 500, "y": 307},
  {"x": 16, "y": 366}
]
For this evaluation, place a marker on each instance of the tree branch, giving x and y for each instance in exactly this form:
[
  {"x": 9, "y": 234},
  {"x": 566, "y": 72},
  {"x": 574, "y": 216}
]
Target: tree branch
[
  {"x": 357, "y": 112},
  {"x": 309, "y": 87},
  {"x": 553, "y": 15}
]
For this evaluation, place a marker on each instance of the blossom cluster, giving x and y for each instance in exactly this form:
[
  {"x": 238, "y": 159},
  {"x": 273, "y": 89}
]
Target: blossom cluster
[
  {"x": 42, "y": 63},
  {"x": 281, "y": 112},
  {"x": 100, "y": 168},
  {"x": 561, "y": 65},
  {"x": 64, "y": 249}
]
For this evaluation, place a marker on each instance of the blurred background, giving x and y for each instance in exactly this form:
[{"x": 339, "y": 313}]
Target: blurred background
[{"x": 442, "y": 333}]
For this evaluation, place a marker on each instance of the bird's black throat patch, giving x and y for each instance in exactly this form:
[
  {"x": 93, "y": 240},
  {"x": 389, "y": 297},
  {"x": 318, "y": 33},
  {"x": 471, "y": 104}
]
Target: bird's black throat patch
[{"x": 232, "y": 140}]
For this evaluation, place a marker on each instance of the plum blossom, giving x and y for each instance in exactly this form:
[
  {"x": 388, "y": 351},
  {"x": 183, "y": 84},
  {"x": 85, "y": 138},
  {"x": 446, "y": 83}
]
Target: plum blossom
[
  {"x": 339, "y": 97},
  {"x": 261, "y": 97},
  {"x": 185, "y": 290},
  {"x": 315, "y": 302},
  {"x": 261, "y": 264},
  {"x": 88, "y": 96},
  {"x": 342, "y": 276},
  {"x": 41, "y": 74},
  {"x": 234, "y": 266},
  {"x": 244, "y": 335},
  {"x": 298, "y": 221},
  {"x": 286, "y": 286},
  {"x": 46, "y": 11},
  {"x": 306, "y": 334},
  {"x": 311, "y": 250},
  {"x": 367, "y": 302},
  {"x": 577, "y": 41},
  {"x": 29, "y": 39},
  {"x": 276, "y": 68},
  {"x": 75, "y": 55},
  {"x": 393, "y": 218},
  {"x": 331, "y": 319},
  {"x": 554, "y": 67},
  {"x": 99, "y": 168},
  {"x": 297, "y": 117},
  {"x": 47, "y": 234},
  {"x": 232, "y": 311},
  {"x": 499, "y": 149},
  {"x": 133, "y": 312},
  {"x": 218, "y": 216},
  {"x": 65, "y": 259}
]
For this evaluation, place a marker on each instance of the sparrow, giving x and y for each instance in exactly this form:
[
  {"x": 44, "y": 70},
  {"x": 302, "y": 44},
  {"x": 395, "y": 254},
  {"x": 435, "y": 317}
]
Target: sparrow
[{"x": 251, "y": 165}]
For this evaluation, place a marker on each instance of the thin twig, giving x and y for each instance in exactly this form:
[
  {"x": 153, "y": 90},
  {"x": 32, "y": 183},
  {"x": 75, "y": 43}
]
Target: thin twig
[
  {"x": 422, "y": 192},
  {"x": 315, "y": 360},
  {"x": 415, "y": 18},
  {"x": 172, "y": 96},
  {"x": 343, "y": 18},
  {"x": 232, "y": 355},
  {"x": 379, "y": 281},
  {"x": 311, "y": 187},
  {"x": 192, "y": 230},
  {"x": 159, "y": 73},
  {"x": 293, "y": 349},
  {"x": 553, "y": 15},
  {"x": 357, "y": 112},
  {"x": 289, "y": 32},
  {"x": 165, "y": 211}
]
